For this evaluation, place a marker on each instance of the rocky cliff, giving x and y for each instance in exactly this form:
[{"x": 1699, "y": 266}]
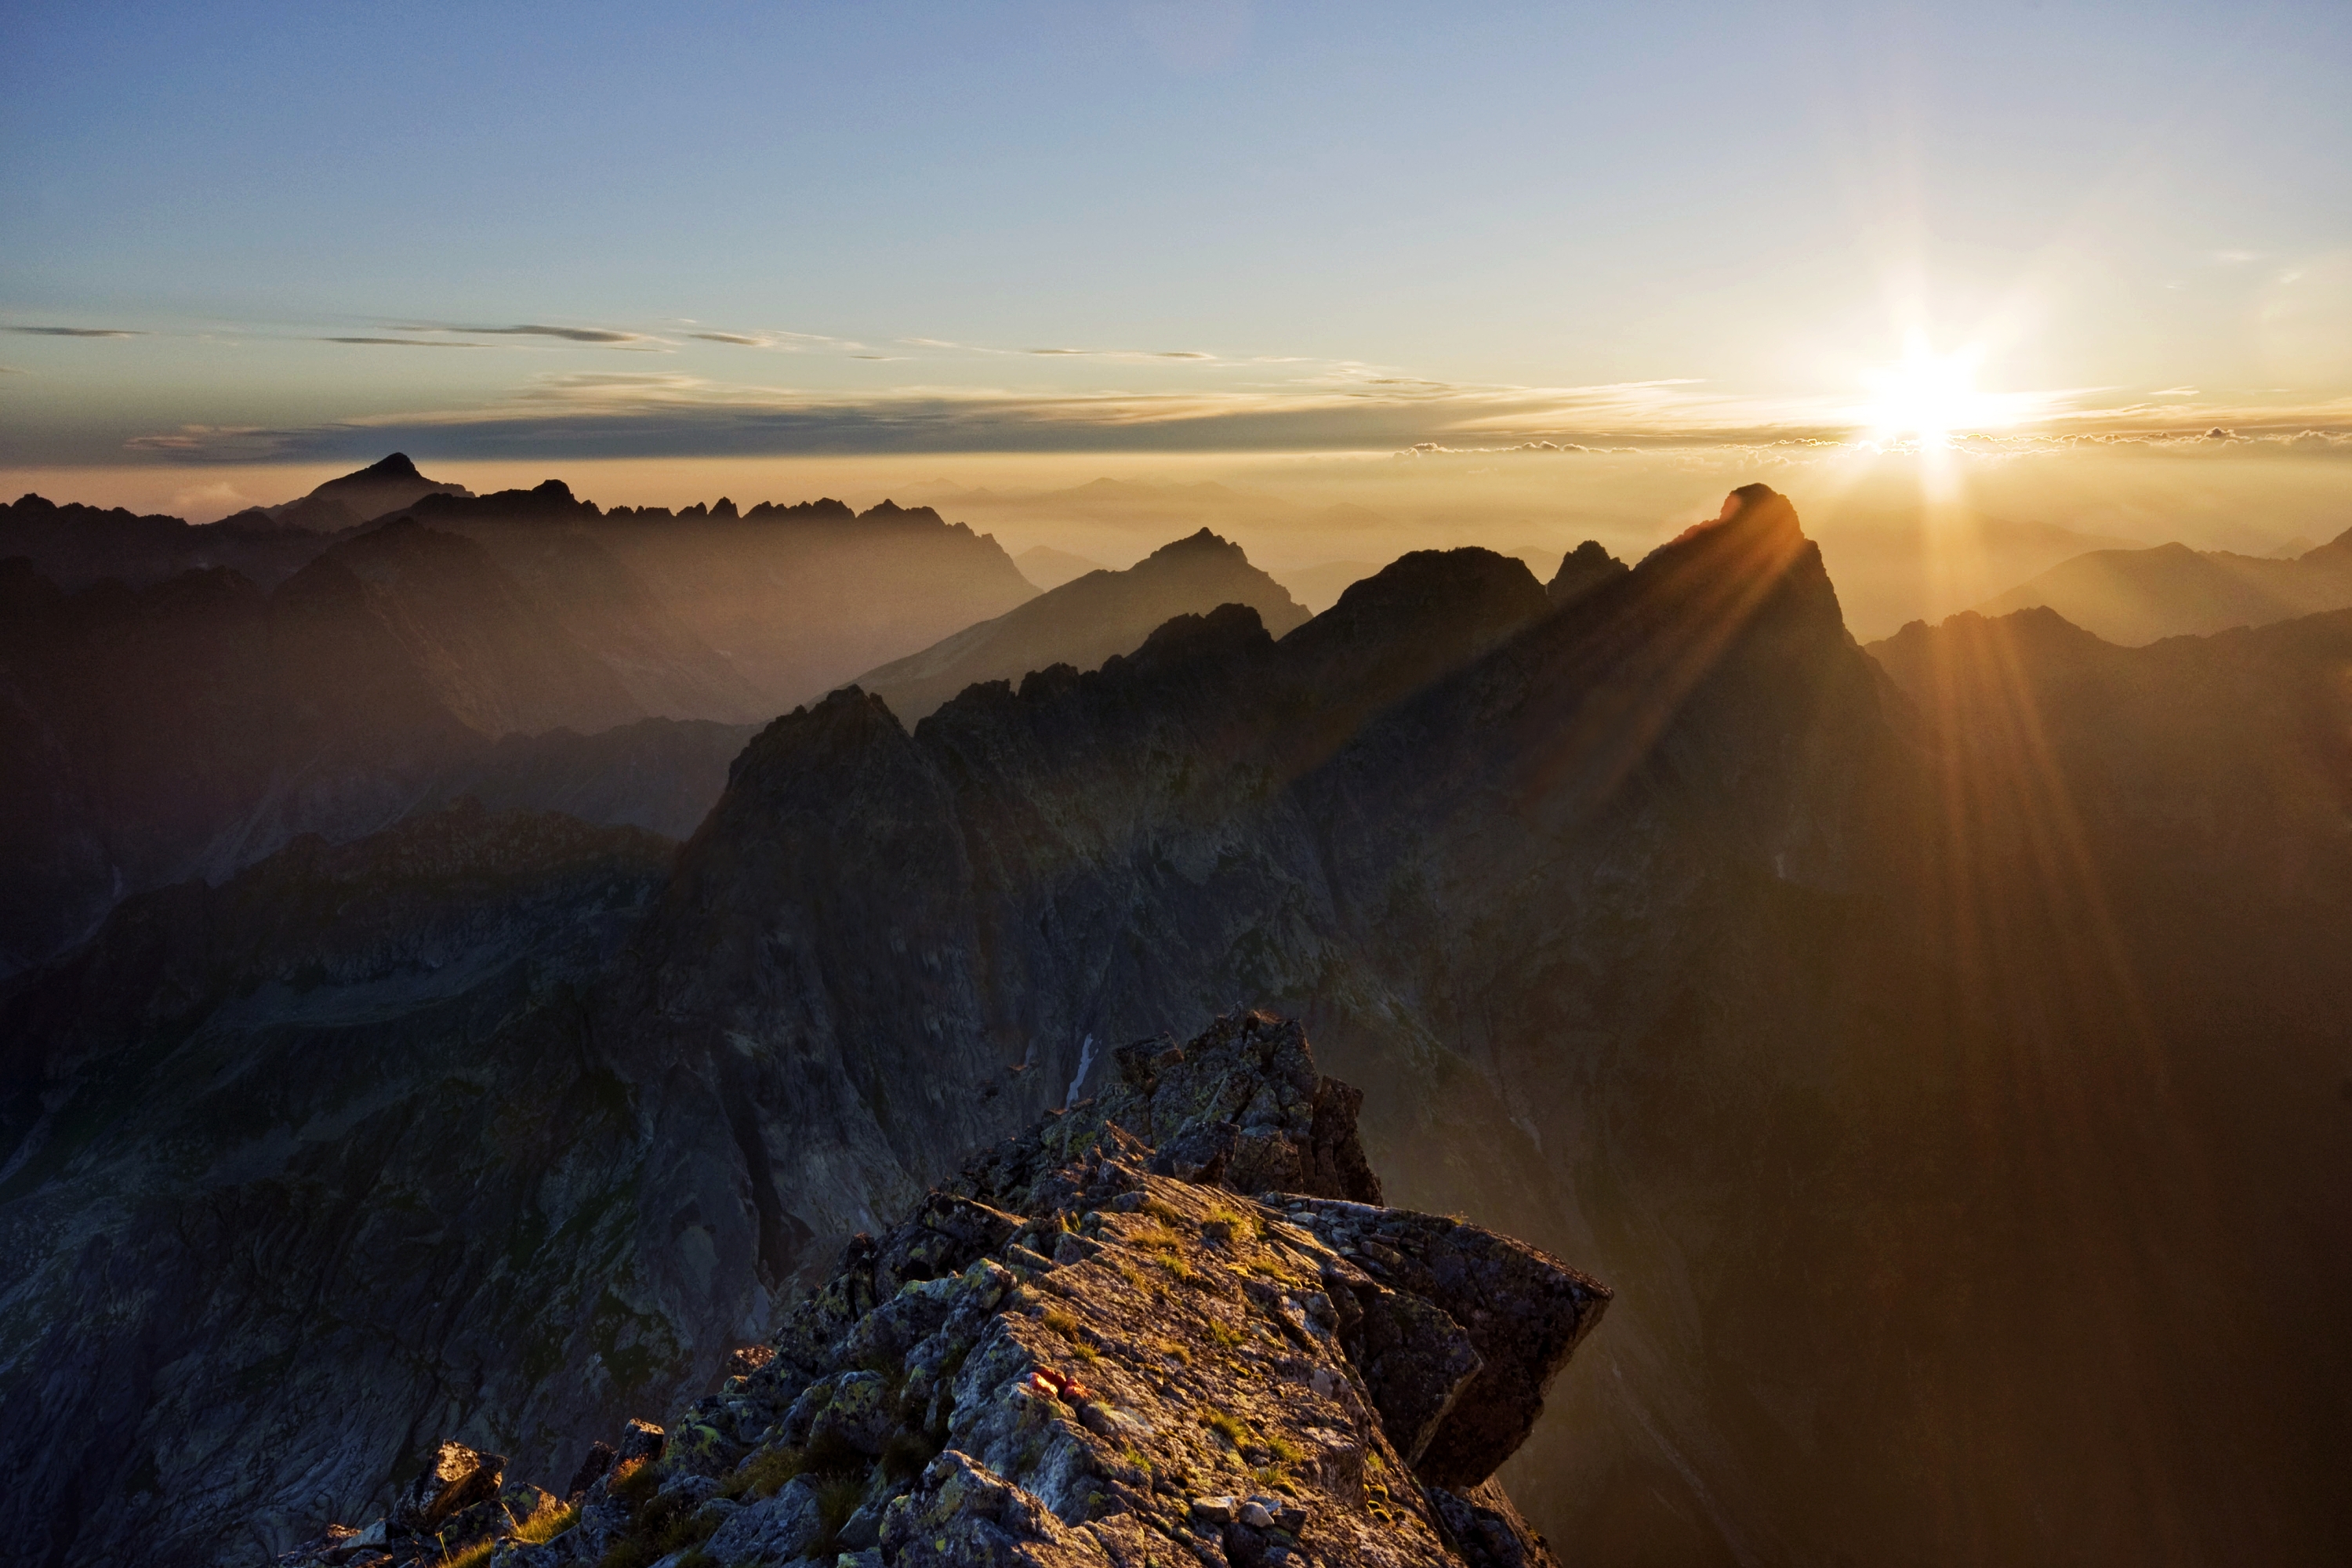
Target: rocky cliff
[{"x": 1174, "y": 1323}]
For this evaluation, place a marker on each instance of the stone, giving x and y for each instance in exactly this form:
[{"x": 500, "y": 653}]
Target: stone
[
  {"x": 1522, "y": 1311},
  {"x": 745, "y": 1360},
  {"x": 1487, "y": 1529},
  {"x": 773, "y": 1529},
  {"x": 1416, "y": 1361},
  {"x": 456, "y": 1478},
  {"x": 859, "y": 1413},
  {"x": 640, "y": 1440},
  {"x": 599, "y": 1459}
]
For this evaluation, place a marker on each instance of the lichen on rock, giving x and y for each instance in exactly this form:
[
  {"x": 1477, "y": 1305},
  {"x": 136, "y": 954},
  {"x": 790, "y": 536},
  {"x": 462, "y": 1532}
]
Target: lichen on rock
[{"x": 1171, "y": 1324}]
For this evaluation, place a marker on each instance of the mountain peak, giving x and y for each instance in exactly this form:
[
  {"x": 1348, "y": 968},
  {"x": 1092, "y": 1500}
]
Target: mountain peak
[
  {"x": 1203, "y": 543},
  {"x": 369, "y": 493}
]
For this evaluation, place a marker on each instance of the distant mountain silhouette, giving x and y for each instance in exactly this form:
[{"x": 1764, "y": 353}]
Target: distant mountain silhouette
[
  {"x": 1049, "y": 568},
  {"x": 173, "y": 714},
  {"x": 793, "y": 600},
  {"x": 74, "y": 545},
  {"x": 372, "y": 492},
  {"x": 1319, "y": 587},
  {"x": 1085, "y": 621},
  {"x": 2135, "y": 596}
]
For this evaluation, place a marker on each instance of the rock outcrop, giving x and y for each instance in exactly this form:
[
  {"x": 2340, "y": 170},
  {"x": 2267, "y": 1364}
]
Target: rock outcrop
[{"x": 1068, "y": 1355}]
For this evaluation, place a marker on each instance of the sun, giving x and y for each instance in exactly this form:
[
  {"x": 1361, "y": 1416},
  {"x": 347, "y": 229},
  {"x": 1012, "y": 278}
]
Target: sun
[{"x": 1929, "y": 396}]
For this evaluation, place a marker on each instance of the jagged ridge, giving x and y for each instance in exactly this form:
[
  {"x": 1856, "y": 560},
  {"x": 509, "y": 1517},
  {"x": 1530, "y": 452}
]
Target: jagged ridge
[{"x": 1086, "y": 1350}]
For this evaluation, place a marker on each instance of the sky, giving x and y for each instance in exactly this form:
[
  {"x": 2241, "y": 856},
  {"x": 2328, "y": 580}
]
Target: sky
[{"x": 238, "y": 236}]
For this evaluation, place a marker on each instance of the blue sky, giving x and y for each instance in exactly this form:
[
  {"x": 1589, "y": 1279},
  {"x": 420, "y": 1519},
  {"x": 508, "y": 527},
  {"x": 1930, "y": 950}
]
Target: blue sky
[{"x": 1258, "y": 227}]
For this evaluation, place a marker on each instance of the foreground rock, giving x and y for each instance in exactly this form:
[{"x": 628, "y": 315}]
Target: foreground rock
[{"x": 1076, "y": 1354}]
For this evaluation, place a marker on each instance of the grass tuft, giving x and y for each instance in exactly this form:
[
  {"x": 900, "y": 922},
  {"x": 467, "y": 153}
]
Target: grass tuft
[
  {"x": 764, "y": 1475},
  {"x": 548, "y": 1522}
]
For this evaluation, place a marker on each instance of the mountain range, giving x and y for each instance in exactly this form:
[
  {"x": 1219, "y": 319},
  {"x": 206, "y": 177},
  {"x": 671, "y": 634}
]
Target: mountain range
[
  {"x": 2135, "y": 596},
  {"x": 226, "y": 688},
  {"x": 1937, "y": 1047}
]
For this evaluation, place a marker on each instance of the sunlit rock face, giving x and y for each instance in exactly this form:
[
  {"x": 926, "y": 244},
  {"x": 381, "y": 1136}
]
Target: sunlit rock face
[
  {"x": 1929, "y": 1076},
  {"x": 1096, "y": 1346}
]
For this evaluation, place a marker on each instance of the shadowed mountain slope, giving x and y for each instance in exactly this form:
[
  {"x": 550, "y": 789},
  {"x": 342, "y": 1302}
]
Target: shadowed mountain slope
[
  {"x": 2135, "y": 596},
  {"x": 1084, "y": 622},
  {"x": 660, "y": 774},
  {"x": 190, "y": 727},
  {"x": 280, "y": 1123}
]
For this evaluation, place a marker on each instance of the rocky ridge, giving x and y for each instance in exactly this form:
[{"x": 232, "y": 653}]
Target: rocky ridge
[{"x": 1174, "y": 1323}]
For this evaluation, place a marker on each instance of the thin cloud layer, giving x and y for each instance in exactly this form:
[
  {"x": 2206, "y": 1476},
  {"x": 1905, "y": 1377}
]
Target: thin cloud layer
[
  {"x": 405, "y": 342},
  {"x": 76, "y": 332},
  {"x": 535, "y": 330},
  {"x": 651, "y": 414}
]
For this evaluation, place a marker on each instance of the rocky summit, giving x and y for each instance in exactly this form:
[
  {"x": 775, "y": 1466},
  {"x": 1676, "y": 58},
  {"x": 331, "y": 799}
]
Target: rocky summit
[{"x": 1171, "y": 1324}]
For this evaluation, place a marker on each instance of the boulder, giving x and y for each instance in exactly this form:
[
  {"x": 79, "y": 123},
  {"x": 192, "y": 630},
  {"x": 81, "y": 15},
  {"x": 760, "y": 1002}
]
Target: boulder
[
  {"x": 455, "y": 1479},
  {"x": 773, "y": 1529},
  {"x": 1521, "y": 1309}
]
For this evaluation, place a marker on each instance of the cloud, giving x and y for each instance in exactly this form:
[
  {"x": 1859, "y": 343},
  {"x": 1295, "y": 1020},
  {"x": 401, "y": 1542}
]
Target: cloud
[
  {"x": 76, "y": 332},
  {"x": 1326, "y": 406},
  {"x": 405, "y": 342},
  {"x": 217, "y": 500},
  {"x": 790, "y": 343},
  {"x": 1123, "y": 356},
  {"x": 533, "y": 330}
]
